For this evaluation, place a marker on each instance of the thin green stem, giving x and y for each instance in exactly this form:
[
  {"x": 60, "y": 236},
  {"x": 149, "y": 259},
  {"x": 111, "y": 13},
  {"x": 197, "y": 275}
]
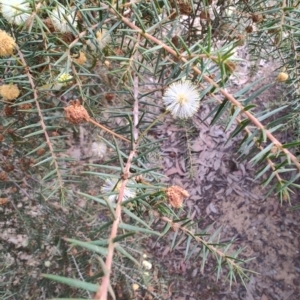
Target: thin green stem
[{"x": 152, "y": 124}]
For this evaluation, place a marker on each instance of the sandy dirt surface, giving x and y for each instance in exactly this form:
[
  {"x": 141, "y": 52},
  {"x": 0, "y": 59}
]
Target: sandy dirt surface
[{"x": 224, "y": 194}]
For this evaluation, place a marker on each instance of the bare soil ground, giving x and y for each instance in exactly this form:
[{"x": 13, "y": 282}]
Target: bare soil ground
[{"x": 224, "y": 194}]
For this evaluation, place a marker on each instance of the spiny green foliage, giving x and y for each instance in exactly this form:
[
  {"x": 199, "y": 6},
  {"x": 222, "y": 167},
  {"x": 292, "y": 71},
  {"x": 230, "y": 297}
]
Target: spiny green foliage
[{"x": 133, "y": 51}]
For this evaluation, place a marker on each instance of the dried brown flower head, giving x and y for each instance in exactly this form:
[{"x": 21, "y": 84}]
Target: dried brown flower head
[
  {"x": 68, "y": 37},
  {"x": 185, "y": 7},
  {"x": 25, "y": 106},
  {"x": 3, "y": 176},
  {"x": 7, "y": 44},
  {"x": 25, "y": 163},
  {"x": 9, "y": 91},
  {"x": 49, "y": 24},
  {"x": 76, "y": 113},
  {"x": 40, "y": 151},
  {"x": 3, "y": 201},
  {"x": 1, "y": 137},
  {"x": 204, "y": 15},
  {"x": 8, "y": 110},
  {"x": 8, "y": 167},
  {"x": 54, "y": 133},
  {"x": 109, "y": 97},
  {"x": 256, "y": 18},
  {"x": 240, "y": 40},
  {"x": 249, "y": 29},
  {"x": 119, "y": 51},
  {"x": 80, "y": 59},
  {"x": 175, "y": 195}
]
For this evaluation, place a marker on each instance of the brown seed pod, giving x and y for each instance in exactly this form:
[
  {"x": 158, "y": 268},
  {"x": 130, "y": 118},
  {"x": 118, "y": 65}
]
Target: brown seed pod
[{"x": 1, "y": 137}]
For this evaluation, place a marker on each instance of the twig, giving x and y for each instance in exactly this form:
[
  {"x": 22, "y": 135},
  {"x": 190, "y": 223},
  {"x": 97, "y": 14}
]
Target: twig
[
  {"x": 209, "y": 246},
  {"x": 101, "y": 293},
  {"x": 35, "y": 96},
  {"x": 108, "y": 130}
]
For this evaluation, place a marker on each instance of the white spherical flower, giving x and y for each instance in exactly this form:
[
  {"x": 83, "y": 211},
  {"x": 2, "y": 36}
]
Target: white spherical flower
[
  {"x": 15, "y": 11},
  {"x": 98, "y": 149},
  {"x": 47, "y": 263},
  {"x": 147, "y": 265},
  {"x": 113, "y": 185},
  {"x": 63, "y": 20},
  {"x": 103, "y": 38},
  {"x": 182, "y": 99}
]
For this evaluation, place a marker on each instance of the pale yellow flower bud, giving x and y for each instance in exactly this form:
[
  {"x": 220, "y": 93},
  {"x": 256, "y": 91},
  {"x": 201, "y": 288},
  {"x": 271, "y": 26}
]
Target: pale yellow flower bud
[
  {"x": 282, "y": 76},
  {"x": 7, "y": 44},
  {"x": 9, "y": 91}
]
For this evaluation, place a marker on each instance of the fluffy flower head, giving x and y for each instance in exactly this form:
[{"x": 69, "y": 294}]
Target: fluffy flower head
[
  {"x": 102, "y": 39},
  {"x": 175, "y": 195},
  {"x": 147, "y": 265},
  {"x": 9, "y": 91},
  {"x": 7, "y": 44},
  {"x": 80, "y": 59},
  {"x": 282, "y": 76},
  {"x": 15, "y": 11},
  {"x": 62, "y": 18},
  {"x": 98, "y": 149},
  {"x": 76, "y": 113},
  {"x": 182, "y": 99},
  {"x": 113, "y": 185},
  {"x": 64, "y": 77}
]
